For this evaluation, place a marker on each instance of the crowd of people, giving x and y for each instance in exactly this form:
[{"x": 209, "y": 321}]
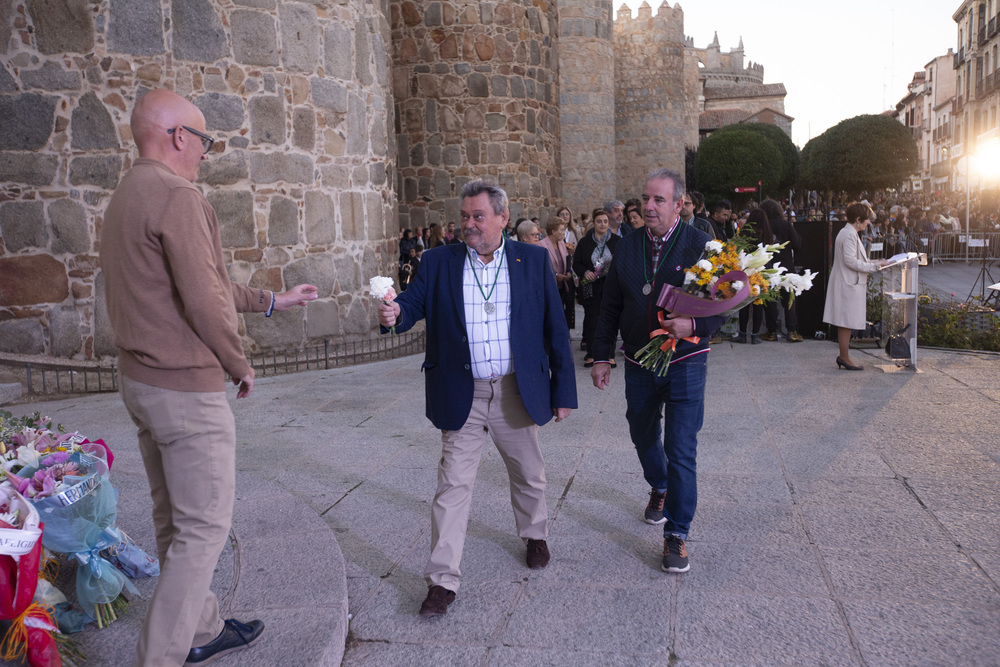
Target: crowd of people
[{"x": 581, "y": 247}]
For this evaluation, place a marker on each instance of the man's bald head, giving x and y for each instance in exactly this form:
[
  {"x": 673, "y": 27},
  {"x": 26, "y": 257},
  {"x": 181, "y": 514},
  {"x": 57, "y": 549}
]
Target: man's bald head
[
  {"x": 156, "y": 112},
  {"x": 158, "y": 125}
]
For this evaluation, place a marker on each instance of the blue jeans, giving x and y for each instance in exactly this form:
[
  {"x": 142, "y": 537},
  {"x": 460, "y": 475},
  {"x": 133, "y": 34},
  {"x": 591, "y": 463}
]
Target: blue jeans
[{"x": 668, "y": 464}]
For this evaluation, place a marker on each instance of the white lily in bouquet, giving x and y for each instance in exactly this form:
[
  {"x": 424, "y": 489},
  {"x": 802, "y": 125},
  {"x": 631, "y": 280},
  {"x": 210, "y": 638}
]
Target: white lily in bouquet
[{"x": 727, "y": 277}]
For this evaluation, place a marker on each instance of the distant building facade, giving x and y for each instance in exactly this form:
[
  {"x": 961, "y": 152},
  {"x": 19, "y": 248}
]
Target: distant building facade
[
  {"x": 974, "y": 114},
  {"x": 927, "y": 111}
]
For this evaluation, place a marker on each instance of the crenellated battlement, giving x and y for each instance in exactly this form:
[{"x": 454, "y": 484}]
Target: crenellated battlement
[
  {"x": 646, "y": 12},
  {"x": 646, "y": 29}
]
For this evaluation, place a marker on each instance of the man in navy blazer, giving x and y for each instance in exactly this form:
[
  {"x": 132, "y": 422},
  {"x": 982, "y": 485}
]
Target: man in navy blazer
[{"x": 498, "y": 361}]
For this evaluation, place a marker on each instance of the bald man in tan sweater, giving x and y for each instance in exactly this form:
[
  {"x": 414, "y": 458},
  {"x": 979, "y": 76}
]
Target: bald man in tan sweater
[{"x": 173, "y": 311}]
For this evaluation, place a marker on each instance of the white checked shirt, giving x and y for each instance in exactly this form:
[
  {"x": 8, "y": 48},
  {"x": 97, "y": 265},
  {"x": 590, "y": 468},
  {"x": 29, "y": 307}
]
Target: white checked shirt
[{"x": 489, "y": 334}]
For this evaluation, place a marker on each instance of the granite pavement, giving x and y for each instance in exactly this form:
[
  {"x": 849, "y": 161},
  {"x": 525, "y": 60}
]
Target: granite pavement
[{"x": 843, "y": 519}]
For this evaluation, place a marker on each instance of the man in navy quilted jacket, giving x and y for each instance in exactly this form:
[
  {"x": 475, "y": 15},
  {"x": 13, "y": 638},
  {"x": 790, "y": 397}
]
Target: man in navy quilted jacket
[{"x": 644, "y": 262}]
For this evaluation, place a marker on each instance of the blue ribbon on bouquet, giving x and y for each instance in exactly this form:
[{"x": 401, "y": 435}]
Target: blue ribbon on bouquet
[{"x": 98, "y": 581}]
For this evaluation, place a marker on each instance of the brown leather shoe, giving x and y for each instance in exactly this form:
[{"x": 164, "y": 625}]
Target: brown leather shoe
[
  {"x": 437, "y": 601},
  {"x": 538, "y": 554}
]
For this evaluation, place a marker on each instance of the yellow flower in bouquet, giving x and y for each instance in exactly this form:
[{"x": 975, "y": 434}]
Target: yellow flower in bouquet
[{"x": 727, "y": 277}]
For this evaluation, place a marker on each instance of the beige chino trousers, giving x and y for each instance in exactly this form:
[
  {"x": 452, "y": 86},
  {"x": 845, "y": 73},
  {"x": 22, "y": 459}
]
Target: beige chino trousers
[
  {"x": 497, "y": 409},
  {"x": 188, "y": 446}
]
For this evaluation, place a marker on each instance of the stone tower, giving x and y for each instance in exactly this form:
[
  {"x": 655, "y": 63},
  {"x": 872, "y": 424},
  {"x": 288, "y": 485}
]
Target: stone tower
[
  {"x": 476, "y": 96},
  {"x": 297, "y": 94},
  {"x": 652, "y": 115},
  {"x": 587, "y": 103}
]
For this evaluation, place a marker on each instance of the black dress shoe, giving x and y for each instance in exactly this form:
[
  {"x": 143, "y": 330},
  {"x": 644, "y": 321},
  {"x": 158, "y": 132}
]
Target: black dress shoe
[
  {"x": 538, "y": 554},
  {"x": 437, "y": 601},
  {"x": 843, "y": 364},
  {"x": 234, "y": 637}
]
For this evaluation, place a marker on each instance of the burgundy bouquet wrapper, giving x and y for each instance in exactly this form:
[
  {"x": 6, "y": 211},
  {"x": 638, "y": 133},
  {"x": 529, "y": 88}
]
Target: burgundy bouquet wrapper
[{"x": 676, "y": 300}]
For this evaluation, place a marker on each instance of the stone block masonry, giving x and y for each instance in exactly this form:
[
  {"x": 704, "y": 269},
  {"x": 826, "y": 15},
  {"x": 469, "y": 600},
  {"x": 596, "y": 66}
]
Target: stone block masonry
[
  {"x": 476, "y": 96},
  {"x": 652, "y": 116},
  {"x": 587, "y": 104},
  {"x": 297, "y": 95}
]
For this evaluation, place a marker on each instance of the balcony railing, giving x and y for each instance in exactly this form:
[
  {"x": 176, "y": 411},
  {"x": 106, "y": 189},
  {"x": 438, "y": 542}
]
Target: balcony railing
[
  {"x": 980, "y": 88},
  {"x": 943, "y": 132},
  {"x": 982, "y": 36},
  {"x": 993, "y": 28},
  {"x": 940, "y": 169}
]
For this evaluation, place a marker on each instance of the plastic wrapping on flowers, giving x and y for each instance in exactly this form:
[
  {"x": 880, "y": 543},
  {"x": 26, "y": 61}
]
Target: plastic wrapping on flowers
[
  {"x": 725, "y": 279},
  {"x": 80, "y": 522},
  {"x": 32, "y": 630}
]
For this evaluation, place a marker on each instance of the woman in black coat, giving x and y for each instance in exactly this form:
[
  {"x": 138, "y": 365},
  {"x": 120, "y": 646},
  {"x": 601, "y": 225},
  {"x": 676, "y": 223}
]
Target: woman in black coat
[
  {"x": 756, "y": 230},
  {"x": 590, "y": 263},
  {"x": 783, "y": 232}
]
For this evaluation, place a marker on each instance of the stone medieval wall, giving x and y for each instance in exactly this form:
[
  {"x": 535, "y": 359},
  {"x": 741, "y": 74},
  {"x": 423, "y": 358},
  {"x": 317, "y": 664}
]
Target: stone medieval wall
[
  {"x": 476, "y": 96},
  {"x": 652, "y": 118},
  {"x": 339, "y": 122},
  {"x": 587, "y": 103},
  {"x": 302, "y": 176}
]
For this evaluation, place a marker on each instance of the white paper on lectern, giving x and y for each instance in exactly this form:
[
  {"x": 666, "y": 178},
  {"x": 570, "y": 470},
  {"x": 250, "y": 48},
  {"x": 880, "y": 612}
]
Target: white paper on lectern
[{"x": 902, "y": 257}]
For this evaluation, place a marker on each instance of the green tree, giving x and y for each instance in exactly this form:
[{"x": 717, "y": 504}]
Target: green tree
[
  {"x": 816, "y": 163},
  {"x": 780, "y": 140},
  {"x": 736, "y": 158},
  {"x": 866, "y": 152}
]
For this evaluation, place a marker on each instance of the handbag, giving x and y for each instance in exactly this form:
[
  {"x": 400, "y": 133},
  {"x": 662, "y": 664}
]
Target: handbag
[{"x": 898, "y": 346}]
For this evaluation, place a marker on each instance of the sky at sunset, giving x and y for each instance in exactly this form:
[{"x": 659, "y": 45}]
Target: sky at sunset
[{"x": 836, "y": 59}]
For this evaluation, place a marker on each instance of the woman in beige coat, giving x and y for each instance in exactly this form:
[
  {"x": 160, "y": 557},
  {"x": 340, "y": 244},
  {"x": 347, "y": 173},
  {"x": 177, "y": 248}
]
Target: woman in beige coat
[{"x": 848, "y": 286}]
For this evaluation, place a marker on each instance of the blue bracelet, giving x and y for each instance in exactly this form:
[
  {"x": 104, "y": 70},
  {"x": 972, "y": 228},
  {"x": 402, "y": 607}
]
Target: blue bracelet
[{"x": 271, "y": 309}]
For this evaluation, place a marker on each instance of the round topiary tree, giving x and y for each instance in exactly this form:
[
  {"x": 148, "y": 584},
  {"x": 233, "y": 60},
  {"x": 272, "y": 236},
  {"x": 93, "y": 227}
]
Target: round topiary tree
[
  {"x": 866, "y": 152},
  {"x": 781, "y": 141},
  {"x": 736, "y": 158}
]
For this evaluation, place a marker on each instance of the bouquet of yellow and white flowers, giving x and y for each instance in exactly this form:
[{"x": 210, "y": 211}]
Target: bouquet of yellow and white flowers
[{"x": 727, "y": 277}]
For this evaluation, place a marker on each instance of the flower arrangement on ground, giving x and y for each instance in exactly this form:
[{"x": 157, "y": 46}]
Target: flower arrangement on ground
[
  {"x": 727, "y": 277},
  {"x": 64, "y": 479}
]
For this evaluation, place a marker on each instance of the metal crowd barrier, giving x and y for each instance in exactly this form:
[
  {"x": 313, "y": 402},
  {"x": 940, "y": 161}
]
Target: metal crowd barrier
[
  {"x": 952, "y": 246},
  {"x": 940, "y": 247}
]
